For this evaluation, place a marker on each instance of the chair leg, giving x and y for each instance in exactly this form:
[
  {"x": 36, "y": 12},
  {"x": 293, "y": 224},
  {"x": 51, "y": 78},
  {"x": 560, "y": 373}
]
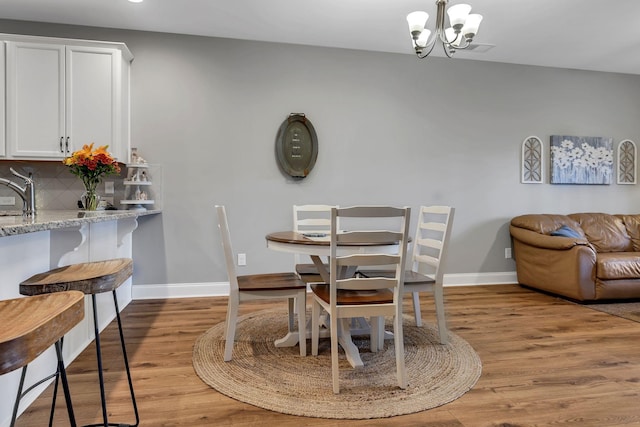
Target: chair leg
[
  {"x": 373, "y": 334},
  {"x": 230, "y": 333},
  {"x": 416, "y": 308},
  {"x": 292, "y": 311},
  {"x": 302, "y": 323},
  {"x": 335, "y": 375},
  {"x": 399, "y": 344},
  {"x": 315, "y": 327},
  {"x": 126, "y": 361},
  {"x": 377, "y": 333},
  {"x": 438, "y": 296}
]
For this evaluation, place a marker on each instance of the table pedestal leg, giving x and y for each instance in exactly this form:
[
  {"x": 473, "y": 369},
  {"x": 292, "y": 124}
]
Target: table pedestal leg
[{"x": 292, "y": 337}]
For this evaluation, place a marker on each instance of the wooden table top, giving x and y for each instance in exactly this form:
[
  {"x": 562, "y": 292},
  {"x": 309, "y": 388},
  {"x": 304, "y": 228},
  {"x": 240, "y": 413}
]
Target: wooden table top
[{"x": 293, "y": 237}]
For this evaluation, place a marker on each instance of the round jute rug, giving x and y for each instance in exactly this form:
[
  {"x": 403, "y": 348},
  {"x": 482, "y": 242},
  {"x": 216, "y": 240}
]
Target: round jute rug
[{"x": 280, "y": 380}]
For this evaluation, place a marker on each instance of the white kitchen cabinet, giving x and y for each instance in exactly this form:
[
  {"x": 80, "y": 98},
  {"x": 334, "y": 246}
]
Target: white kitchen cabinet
[{"x": 61, "y": 96}]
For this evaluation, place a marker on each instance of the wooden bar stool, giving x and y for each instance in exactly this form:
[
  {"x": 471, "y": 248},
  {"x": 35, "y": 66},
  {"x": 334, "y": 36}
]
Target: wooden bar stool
[
  {"x": 29, "y": 327},
  {"x": 91, "y": 278}
]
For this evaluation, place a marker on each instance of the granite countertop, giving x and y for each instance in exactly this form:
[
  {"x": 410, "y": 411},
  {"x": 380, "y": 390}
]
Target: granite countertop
[{"x": 11, "y": 224}]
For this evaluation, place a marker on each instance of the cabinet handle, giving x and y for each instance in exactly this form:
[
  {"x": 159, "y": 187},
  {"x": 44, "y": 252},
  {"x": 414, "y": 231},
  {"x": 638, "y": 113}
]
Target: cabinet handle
[
  {"x": 61, "y": 138},
  {"x": 66, "y": 145}
]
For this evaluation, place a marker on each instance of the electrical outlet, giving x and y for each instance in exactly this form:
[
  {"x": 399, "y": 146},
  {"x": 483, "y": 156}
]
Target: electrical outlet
[
  {"x": 7, "y": 201},
  {"x": 108, "y": 187},
  {"x": 507, "y": 253},
  {"x": 242, "y": 259}
]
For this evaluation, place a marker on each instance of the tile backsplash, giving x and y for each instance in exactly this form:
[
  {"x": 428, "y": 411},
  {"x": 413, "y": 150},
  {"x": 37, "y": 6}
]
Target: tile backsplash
[{"x": 58, "y": 189}]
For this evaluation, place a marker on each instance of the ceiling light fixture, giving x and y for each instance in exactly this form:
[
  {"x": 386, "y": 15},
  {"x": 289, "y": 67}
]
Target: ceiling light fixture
[
  {"x": 463, "y": 27},
  {"x": 136, "y": 1}
]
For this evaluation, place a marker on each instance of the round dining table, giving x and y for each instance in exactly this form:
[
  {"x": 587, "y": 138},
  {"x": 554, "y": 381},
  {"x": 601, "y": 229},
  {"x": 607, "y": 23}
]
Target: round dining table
[{"x": 316, "y": 246}]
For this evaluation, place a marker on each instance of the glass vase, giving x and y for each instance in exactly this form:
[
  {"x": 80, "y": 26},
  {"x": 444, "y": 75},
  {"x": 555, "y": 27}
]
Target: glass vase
[{"x": 90, "y": 198}]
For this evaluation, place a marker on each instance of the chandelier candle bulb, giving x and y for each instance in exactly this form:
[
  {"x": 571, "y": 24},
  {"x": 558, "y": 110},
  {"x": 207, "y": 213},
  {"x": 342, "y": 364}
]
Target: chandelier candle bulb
[
  {"x": 424, "y": 38},
  {"x": 458, "y": 15},
  {"x": 471, "y": 25},
  {"x": 417, "y": 20}
]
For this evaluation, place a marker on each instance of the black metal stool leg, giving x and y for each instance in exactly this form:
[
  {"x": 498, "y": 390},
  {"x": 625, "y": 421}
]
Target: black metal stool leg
[
  {"x": 65, "y": 385},
  {"x": 55, "y": 389},
  {"x": 53, "y": 400},
  {"x": 126, "y": 360},
  {"x": 103, "y": 398},
  {"x": 60, "y": 373},
  {"x": 100, "y": 370},
  {"x": 19, "y": 396}
]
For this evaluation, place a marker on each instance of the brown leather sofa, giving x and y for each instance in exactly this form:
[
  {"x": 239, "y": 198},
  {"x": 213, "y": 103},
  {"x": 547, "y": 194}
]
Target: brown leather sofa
[{"x": 602, "y": 261}]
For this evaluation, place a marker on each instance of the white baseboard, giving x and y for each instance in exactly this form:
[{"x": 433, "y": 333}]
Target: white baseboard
[
  {"x": 180, "y": 290},
  {"x": 472, "y": 279},
  {"x": 218, "y": 289}
]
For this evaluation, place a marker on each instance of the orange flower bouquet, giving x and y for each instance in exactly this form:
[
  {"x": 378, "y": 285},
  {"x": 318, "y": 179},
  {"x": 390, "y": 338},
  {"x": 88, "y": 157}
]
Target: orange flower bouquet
[{"x": 91, "y": 166}]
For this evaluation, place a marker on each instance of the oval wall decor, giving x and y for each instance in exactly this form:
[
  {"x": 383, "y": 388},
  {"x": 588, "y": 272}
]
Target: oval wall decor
[{"x": 296, "y": 146}]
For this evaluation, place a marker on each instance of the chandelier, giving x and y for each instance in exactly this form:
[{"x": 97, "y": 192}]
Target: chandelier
[{"x": 463, "y": 26}]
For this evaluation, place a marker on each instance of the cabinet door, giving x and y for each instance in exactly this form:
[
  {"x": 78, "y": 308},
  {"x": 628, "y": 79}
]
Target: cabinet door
[
  {"x": 35, "y": 100},
  {"x": 93, "y": 97}
]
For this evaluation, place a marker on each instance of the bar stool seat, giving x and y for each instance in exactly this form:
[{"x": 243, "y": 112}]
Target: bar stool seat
[
  {"x": 91, "y": 278},
  {"x": 88, "y": 277},
  {"x": 32, "y": 325}
]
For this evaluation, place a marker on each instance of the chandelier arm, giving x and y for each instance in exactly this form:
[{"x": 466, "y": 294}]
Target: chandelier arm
[
  {"x": 444, "y": 39},
  {"x": 426, "y": 54},
  {"x": 447, "y": 52},
  {"x": 430, "y": 43},
  {"x": 461, "y": 47}
]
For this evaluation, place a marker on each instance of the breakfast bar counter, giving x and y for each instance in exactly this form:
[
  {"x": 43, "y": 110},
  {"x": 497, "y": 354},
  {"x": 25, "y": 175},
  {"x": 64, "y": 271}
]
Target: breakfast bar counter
[
  {"x": 56, "y": 238},
  {"x": 12, "y": 223}
]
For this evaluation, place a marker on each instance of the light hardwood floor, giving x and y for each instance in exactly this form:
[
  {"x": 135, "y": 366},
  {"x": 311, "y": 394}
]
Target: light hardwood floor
[{"x": 545, "y": 362}]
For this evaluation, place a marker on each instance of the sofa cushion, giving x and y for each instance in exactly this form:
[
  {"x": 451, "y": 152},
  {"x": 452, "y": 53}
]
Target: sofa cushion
[
  {"x": 545, "y": 223},
  {"x": 618, "y": 265},
  {"x": 605, "y": 232},
  {"x": 566, "y": 231},
  {"x": 632, "y": 224}
]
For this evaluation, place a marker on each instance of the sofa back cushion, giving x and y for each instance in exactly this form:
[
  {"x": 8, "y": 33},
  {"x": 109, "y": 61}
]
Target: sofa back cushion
[
  {"x": 632, "y": 224},
  {"x": 607, "y": 233},
  {"x": 546, "y": 223}
]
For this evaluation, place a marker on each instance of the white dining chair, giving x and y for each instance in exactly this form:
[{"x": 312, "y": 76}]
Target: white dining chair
[
  {"x": 259, "y": 287},
  {"x": 313, "y": 220},
  {"x": 430, "y": 246},
  {"x": 350, "y": 296}
]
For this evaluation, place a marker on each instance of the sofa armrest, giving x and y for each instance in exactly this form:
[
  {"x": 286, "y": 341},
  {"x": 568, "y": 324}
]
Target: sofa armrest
[
  {"x": 561, "y": 265},
  {"x": 544, "y": 241}
]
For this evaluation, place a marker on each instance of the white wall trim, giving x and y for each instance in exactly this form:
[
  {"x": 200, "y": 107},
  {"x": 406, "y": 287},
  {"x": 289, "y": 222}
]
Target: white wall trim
[
  {"x": 219, "y": 289},
  {"x": 473, "y": 279},
  {"x": 180, "y": 290}
]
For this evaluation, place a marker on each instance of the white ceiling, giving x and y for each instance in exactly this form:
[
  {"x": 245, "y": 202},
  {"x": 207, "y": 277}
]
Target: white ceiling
[{"x": 601, "y": 35}]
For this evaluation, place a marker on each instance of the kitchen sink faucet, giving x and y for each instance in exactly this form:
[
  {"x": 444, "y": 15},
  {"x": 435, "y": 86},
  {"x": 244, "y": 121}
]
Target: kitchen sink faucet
[{"x": 26, "y": 193}]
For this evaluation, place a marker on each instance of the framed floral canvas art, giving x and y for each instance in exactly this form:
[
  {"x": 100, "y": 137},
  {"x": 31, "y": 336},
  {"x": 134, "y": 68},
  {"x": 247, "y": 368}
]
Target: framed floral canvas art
[{"x": 581, "y": 159}]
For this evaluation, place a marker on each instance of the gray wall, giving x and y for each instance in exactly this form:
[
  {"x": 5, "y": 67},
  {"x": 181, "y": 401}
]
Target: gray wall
[{"x": 391, "y": 130}]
